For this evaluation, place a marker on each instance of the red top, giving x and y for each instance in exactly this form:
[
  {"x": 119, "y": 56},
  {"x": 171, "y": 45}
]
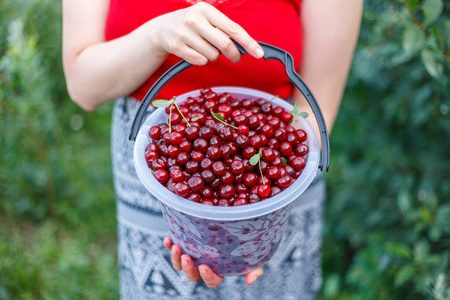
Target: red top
[{"x": 276, "y": 22}]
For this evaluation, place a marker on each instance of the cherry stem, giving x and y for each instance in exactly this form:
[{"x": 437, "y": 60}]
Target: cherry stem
[
  {"x": 176, "y": 105},
  {"x": 260, "y": 170},
  {"x": 214, "y": 115},
  {"x": 170, "y": 119}
]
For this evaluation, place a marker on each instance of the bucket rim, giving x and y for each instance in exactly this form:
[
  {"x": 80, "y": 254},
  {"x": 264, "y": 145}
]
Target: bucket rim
[{"x": 233, "y": 213}]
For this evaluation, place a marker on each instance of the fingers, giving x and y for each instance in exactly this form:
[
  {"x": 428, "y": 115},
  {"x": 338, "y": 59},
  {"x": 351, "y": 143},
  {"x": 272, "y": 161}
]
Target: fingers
[
  {"x": 220, "y": 41},
  {"x": 205, "y": 32},
  {"x": 251, "y": 277},
  {"x": 234, "y": 31},
  {"x": 181, "y": 262},
  {"x": 176, "y": 257},
  {"x": 189, "y": 269},
  {"x": 211, "y": 279},
  {"x": 167, "y": 242}
]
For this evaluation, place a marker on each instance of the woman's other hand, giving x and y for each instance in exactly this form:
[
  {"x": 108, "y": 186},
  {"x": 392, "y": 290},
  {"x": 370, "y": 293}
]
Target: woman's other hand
[{"x": 184, "y": 262}]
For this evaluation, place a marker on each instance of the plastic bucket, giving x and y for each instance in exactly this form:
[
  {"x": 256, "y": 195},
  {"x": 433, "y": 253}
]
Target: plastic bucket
[{"x": 231, "y": 240}]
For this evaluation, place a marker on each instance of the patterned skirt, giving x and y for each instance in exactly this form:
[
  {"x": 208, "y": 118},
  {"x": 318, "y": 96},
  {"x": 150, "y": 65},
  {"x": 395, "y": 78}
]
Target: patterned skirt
[{"x": 146, "y": 272}]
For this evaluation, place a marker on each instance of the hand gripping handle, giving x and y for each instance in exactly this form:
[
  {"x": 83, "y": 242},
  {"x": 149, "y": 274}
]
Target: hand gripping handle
[{"x": 270, "y": 52}]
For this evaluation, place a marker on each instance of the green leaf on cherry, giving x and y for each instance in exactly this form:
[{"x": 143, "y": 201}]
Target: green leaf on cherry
[
  {"x": 194, "y": 119},
  {"x": 254, "y": 159},
  {"x": 161, "y": 103},
  {"x": 296, "y": 113},
  {"x": 217, "y": 115},
  {"x": 284, "y": 161},
  {"x": 303, "y": 114}
]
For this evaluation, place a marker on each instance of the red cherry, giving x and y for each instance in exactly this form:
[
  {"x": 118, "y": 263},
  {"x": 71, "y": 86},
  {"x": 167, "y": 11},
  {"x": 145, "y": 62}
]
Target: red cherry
[
  {"x": 191, "y": 133},
  {"x": 150, "y": 156},
  {"x": 284, "y": 182},
  {"x": 158, "y": 164},
  {"x": 253, "y": 198},
  {"x": 206, "y": 133},
  {"x": 200, "y": 145},
  {"x": 183, "y": 158},
  {"x": 298, "y": 163},
  {"x": 237, "y": 167},
  {"x": 267, "y": 130},
  {"x": 219, "y": 168},
  {"x": 154, "y": 132},
  {"x": 176, "y": 175},
  {"x": 185, "y": 146},
  {"x": 206, "y": 192},
  {"x": 196, "y": 184},
  {"x": 227, "y": 177},
  {"x": 223, "y": 202},
  {"x": 268, "y": 154},
  {"x": 248, "y": 152},
  {"x": 192, "y": 166},
  {"x": 273, "y": 172},
  {"x": 173, "y": 151},
  {"x": 264, "y": 190},
  {"x": 240, "y": 202},
  {"x": 197, "y": 156},
  {"x": 182, "y": 189},
  {"x": 207, "y": 202},
  {"x": 226, "y": 191},
  {"x": 286, "y": 117},
  {"x": 285, "y": 149},
  {"x": 206, "y": 163},
  {"x": 301, "y": 135},
  {"x": 194, "y": 197},
  {"x": 213, "y": 153},
  {"x": 301, "y": 149},
  {"x": 161, "y": 175},
  {"x": 250, "y": 179},
  {"x": 240, "y": 120},
  {"x": 175, "y": 118},
  {"x": 243, "y": 129},
  {"x": 208, "y": 176},
  {"x": 278, "y": 111},
  {"x": 274, "y": 191}
]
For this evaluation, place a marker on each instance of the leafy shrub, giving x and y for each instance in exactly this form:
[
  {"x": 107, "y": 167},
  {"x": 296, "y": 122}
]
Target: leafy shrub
[
  {"x": 57, "y": 202},
  {"x": 388, "y": 215}
]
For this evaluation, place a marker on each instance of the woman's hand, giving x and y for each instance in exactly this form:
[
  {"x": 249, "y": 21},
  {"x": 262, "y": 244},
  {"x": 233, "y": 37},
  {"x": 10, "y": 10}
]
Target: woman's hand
[
  {"x": 199, "y": 32},
  {"x": 98, "y": 71},
  {"x": 184, "y": 262}
]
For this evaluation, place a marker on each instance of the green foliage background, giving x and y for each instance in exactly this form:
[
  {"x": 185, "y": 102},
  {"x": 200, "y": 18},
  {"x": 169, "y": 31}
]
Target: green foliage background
[{"x": 387, "y": 233}]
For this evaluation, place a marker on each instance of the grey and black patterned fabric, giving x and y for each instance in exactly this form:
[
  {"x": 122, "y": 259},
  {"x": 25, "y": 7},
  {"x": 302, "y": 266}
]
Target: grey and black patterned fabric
[{"x": 294, "y": 272}]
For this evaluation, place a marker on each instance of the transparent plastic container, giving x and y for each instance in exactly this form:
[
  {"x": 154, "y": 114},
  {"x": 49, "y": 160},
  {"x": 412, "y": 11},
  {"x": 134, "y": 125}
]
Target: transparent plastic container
[{"x": 230, "y": 240}]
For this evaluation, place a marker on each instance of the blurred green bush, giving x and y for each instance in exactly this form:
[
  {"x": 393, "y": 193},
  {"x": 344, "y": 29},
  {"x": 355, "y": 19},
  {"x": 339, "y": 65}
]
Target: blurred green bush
[
  {"x": 388, "y": 214},
  {"x": 387, "y": 233}
]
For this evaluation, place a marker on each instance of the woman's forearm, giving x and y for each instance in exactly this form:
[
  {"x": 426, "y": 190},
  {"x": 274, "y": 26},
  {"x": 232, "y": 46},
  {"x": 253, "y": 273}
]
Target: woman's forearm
[
  {"x": 106, "y": 71},
  {"x": 331, "y": 29}
]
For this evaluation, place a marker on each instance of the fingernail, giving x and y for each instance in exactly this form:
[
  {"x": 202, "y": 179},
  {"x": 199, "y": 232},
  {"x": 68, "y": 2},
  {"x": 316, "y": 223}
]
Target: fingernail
[
  {"x": 259, "y": 53},
  {"x": 203, "y": 271},
  {"x": 184, "y": 262},
  {"x": 174, "y": 252}
]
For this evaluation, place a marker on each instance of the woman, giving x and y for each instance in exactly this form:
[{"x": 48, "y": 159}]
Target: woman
[{"x": 117, "y": 49}]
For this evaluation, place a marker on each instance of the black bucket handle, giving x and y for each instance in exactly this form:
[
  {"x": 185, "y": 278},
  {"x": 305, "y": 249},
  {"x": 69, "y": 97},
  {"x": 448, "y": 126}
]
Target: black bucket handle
[{"x": 270, "y": 52}]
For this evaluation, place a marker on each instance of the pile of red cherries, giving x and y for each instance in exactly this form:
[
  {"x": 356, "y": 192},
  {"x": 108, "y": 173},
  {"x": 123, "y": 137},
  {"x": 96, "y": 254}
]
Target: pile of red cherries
[{"x": 222, "y": 151}]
